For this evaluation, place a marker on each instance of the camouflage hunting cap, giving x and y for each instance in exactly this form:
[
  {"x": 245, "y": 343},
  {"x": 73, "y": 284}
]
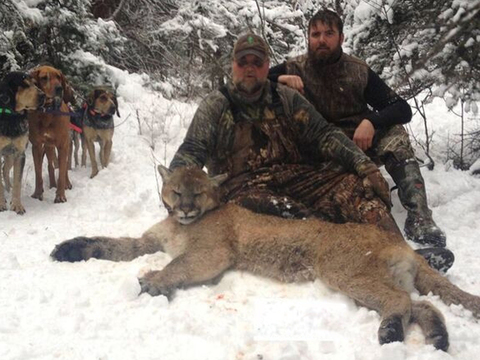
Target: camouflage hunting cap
[{"x": 250, "y": 44}]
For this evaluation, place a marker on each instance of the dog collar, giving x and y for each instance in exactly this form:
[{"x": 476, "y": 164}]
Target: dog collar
[{"x": 5, "y": 111}]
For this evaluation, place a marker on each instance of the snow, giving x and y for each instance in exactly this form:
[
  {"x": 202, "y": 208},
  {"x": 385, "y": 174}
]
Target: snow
[{"x": 91, "y": 310}]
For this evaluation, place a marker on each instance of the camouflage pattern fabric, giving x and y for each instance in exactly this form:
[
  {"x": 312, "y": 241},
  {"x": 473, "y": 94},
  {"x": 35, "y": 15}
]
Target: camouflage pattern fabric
[
  {"x": 278, "y": 162},
  {"x": 303, "y": 135},
  {"x": 325, "y": 191},
  {"x": 337, "y": 93}
]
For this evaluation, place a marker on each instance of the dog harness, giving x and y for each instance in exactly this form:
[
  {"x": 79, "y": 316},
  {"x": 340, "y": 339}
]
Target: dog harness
[
  {"x": 13, "y": 124},
  {"x": 96, "y": 120}
]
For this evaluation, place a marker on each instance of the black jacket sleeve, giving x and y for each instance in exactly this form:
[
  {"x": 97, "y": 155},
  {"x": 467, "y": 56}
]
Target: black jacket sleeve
[
  {"x": 276, "y": 71},
  {"x": 389, "y": 108}
]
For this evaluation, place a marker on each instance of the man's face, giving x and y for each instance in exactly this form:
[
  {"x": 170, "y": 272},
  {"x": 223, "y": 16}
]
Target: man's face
[
  {"x": 249, "y": 73},
  {"x": 324, "y": 43}
]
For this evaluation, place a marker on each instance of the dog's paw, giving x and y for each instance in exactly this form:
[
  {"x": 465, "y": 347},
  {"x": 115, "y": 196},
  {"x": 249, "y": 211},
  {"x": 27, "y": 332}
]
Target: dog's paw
[
  {"x": 77, "y": 249},
  {"x": 18, "y": 208},
  {"x": 38, "y": 195},
  {"x": 60, "y": 199},
  {"x": 150, "y": 286}
]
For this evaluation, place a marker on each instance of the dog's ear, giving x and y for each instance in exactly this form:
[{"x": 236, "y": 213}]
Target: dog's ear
[
  {"x": 34, "y": 74},
  {"x": 67, "y": 90},
  {"x": 91, "y": 98},
  {"x": 97, "y": 93},
  {"x": 5, "y": 95},
  {"x": 15, "y": 79},
  {"x": 115, "y": 101},
  {"x": 9, "y": 87}
]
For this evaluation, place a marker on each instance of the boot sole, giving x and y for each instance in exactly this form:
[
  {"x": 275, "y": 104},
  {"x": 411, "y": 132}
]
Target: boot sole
[
  {"x": 440, "y": 259},
  {"x": 432, "y": 240}
]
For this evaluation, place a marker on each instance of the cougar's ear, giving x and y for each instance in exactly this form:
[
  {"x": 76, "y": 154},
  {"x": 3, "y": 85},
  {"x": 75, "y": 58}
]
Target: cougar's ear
[
  {"x": 219, "y": 179},
  {"x": 165, "y": 173}
]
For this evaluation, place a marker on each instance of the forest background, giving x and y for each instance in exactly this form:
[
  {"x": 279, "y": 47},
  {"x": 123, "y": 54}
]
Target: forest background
[{"x": 422, "y": 48}]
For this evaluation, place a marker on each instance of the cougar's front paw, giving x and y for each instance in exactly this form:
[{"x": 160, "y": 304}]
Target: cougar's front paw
[
  {"x": 77, "y": 249},
  {"x": 150, "y": 285}
]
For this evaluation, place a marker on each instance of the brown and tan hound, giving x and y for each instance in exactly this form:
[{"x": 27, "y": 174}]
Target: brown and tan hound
[
  {"x": 49, "y": 130},
  {"x": 18, "y": 94},
  {"x": 98, "y": 125}
]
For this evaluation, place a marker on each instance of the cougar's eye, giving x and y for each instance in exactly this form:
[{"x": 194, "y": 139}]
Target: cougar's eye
[{"x": 177, "y": 193}]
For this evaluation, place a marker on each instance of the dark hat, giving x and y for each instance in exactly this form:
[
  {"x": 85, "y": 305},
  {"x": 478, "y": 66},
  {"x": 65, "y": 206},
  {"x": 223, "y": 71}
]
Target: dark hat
[{"x": 250, "y": 44}]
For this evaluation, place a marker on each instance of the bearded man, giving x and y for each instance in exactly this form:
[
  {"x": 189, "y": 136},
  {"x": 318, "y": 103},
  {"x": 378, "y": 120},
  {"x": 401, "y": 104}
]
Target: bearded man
[
  {"x": 354, "y": 98},
  {"x": 282, "y": 157}
]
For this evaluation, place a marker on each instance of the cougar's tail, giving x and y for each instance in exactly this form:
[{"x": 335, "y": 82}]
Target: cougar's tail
[
  {"x": 432, "y": 324},
  {"x": 428, "y": 280},
  {"x": 115, "y": 249}
]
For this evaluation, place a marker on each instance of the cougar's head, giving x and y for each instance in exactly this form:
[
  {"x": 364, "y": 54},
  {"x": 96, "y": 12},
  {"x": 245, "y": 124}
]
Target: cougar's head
[{"x": 188, "y": 192}]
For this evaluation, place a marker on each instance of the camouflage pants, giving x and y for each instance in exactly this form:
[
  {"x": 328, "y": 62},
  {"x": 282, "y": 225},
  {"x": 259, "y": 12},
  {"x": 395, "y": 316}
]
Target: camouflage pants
[
  {"x": 392, "y": 148},
  {"x": 389, "y": 145},
  {"x": 299, "y": 191}
]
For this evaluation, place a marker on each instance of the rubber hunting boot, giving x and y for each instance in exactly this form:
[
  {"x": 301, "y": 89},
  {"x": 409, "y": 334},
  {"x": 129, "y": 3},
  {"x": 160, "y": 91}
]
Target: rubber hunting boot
[{"x": 419, "y": 226}]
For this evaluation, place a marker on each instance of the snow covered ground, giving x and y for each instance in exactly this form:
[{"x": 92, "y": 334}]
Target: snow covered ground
[{"x": 92, "y": 311}]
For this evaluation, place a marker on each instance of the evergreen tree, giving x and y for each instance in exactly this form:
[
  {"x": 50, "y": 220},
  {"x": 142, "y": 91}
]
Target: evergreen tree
[
  {"x": 57, "y": 32},
  {"x": 415, "y": 44}
]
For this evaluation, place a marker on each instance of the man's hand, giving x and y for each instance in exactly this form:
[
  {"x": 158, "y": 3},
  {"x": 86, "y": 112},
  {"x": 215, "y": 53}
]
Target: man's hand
[
  {"x": 374, "y": 183},
  {"x": 363, "y": 136},
  {"x": 293, "y": 81}
]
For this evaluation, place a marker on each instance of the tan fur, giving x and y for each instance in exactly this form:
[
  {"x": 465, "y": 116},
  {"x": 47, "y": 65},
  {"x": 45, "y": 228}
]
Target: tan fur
[
  {"x": 104, "y": 137},
  {"x": 28, "y": 97},
  {"x": 103, "y": 102},
  {"x": 75, "y": 140},
  {"x": 49, "y": 132},
  {"x": 359, "y": 260}
]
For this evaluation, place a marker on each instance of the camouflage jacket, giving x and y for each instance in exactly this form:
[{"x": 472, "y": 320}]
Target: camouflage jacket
[
  {"x": 257, "y": 136},
  {"x": 345, "y": 92}
]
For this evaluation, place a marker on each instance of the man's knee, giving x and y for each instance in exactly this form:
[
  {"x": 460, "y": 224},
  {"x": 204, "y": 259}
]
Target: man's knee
[{"x": 394, "y": 145}]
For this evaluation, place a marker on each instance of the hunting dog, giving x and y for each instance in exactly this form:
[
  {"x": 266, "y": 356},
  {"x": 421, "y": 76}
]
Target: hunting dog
[
  {"x": 18, "y": 93},
  {"x": 49, "y": 130},
  {"x": 98, "y": 125}
]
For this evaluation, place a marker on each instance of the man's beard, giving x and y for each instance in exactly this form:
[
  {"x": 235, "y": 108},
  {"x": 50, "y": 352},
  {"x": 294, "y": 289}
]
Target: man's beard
[
  {"x": 251, "y": 88},
  {"x": 327, "y": 58}
]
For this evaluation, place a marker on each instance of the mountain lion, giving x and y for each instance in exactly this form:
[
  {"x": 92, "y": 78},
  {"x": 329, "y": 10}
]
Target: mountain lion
[{"x": 371, "y": 266}]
